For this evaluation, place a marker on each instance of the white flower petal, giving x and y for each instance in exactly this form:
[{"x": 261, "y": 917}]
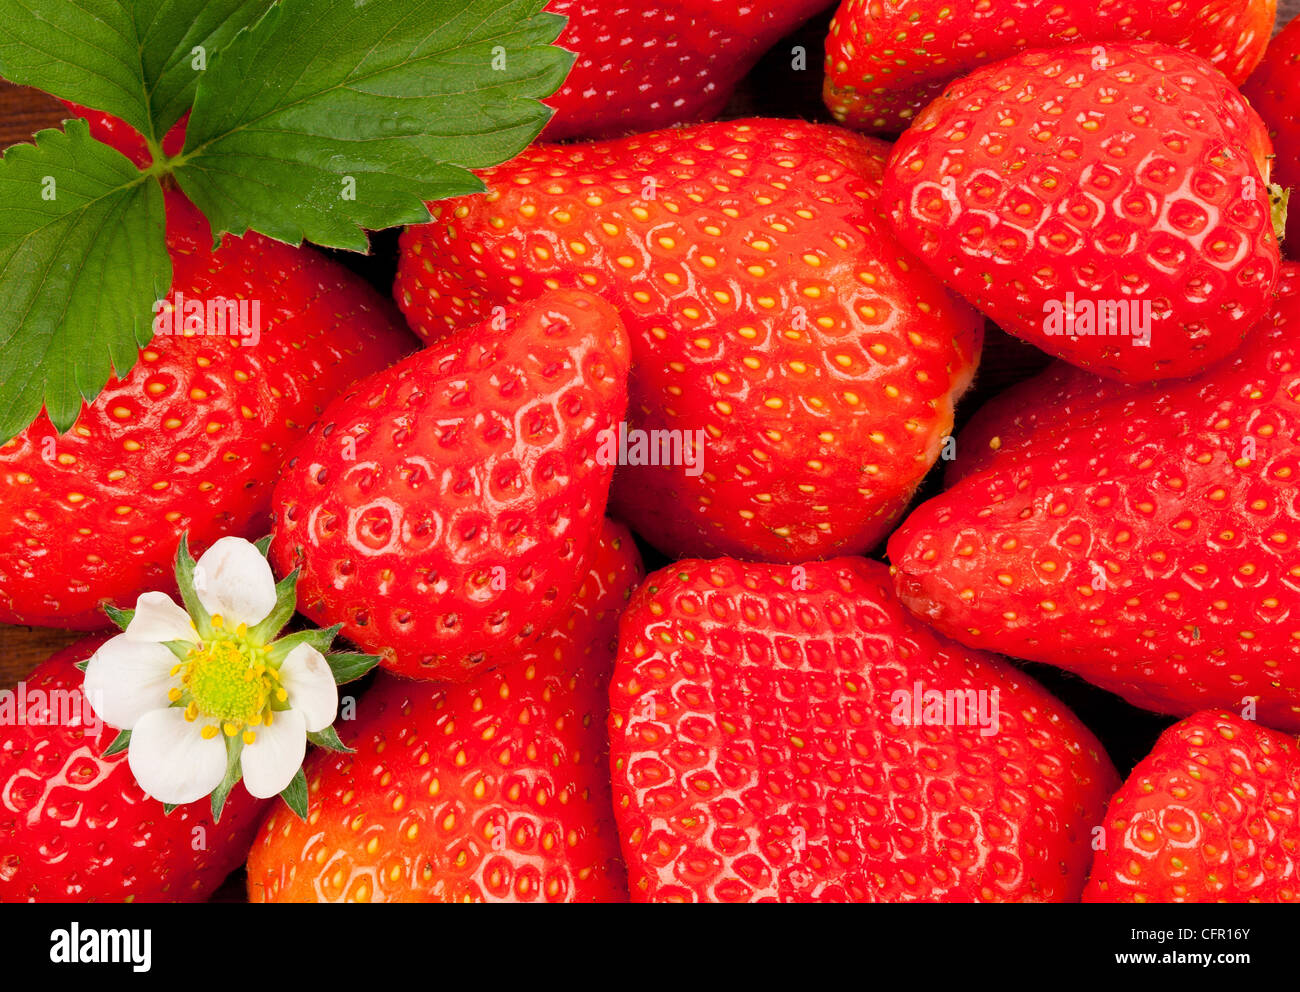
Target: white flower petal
[
  {"x": 158, "y": 618},
  {"x": 273, "y": 759},
  {"x": 172, "y": 761},
  {"x": 306, "y": 677},
  {"x": 125, "y": 680},
  {"x": 234, "y": 581}
]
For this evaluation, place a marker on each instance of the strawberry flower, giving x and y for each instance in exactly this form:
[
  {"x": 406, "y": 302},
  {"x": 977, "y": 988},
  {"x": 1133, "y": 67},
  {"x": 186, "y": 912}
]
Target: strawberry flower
[{"x": 203, "y": 693}]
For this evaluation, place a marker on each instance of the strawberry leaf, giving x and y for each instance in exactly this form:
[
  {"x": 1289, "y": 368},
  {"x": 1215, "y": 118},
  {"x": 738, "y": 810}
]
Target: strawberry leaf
[
  {"x": 330, "y": 116},
  {"x": 82, "y": 260},
  {"x": 139, "y": 60}
]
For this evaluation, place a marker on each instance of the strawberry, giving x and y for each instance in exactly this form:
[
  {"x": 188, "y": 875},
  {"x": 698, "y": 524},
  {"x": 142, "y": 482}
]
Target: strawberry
[
  {"x": 1112, "y": 208},
  {"x": 785, "y": 733},
  {"x": 192, "y": 437},
  {"x": 496, "y": 790},
  {"x": 805, "y": 364},
  {"x": 1041, "y": 402},
  {"x": 662, "y": 62},
  {"x": 1274, "y": 91},
  {"x": 75, "y": 826},
  {"x": 1145, "y": 539},
  {"x": 1212, "y": 815},
  {"x": 885, "y": 61},
  {"x": 444, "y": 509}
]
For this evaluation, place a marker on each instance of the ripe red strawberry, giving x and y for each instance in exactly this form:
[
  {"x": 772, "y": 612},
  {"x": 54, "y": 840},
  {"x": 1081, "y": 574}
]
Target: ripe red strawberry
[
  {"x": 765, "y": 746},
  {"x": 75, "y": 827},
  {"x": 1146, "y": 540},
  {"x": 193, "y": 436},
  {"x": 769, "y": 308},
  {"x": 1055, "y": 396},
  {"x": 885, "y": 61},
  {"x": 444, "y": 510},
  {"x": 649, "y": 65},
  {"x": 1053, "y": 183},
  {"x": 1212, "y": 815},
  {"x": 496, "y": 790},
  {"x": 1274, "y": 91}
]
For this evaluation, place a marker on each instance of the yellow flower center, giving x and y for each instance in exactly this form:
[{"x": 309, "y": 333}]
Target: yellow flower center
[{"x": 227, "y": 681}]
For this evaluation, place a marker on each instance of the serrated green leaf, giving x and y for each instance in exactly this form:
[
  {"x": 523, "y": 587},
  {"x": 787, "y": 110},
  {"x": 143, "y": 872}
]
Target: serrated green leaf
[
  {"x": 83, "y": 258},
  {"x": 388, "y": 103},
  {"x": 120, "y": 743},
  {"x": 121, "y": 618},
  {"x": 134, "y": 59},
  {"x": 329, "y": 739},
  {"x": 295, "y": 795},
  {"x": 348, "y": 666}
]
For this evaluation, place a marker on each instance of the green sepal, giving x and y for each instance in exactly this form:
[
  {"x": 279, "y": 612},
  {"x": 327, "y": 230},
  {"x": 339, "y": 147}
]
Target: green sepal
[
  {"x": 286, "y": 601},
  {"x": 316, "y": 637},
  {"x": 234, "y": 772},
  {"x": 181, "y": 649},
  {"x": 349, "y": 666},
  {"x": 121, "y": 618},
  {"x": 185, "y": 580},
  {"x": 168, "y": 807},
  {"x": 81, "y": 666},
  {"x": 329, "y": 739},
  {"x": 295, "y": 795},
  {"x": 264, "y": 545},
  {"x": 120, "y": 743}
]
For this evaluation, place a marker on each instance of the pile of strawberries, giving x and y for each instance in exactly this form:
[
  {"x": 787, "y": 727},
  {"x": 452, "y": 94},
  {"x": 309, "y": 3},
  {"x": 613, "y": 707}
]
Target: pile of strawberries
[{"x": 737, "y": 347}]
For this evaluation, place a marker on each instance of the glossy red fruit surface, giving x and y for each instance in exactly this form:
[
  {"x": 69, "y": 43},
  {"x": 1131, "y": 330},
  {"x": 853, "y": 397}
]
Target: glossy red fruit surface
[
  {"x": 493, "y": 791},
  {"x": 1111, "y": 209},
  {"x": 886, "y": 60},
  {"x": 654, "y": 63},
  {"x": 1146, "y": 539},
  {"x": 1274, "y": 91},
  {"x": 774, "y": 737},
  {"x": 777, "y": 326},
  {"x": 1212, "y": 815},
  {"x": 444, "y": 510}
]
